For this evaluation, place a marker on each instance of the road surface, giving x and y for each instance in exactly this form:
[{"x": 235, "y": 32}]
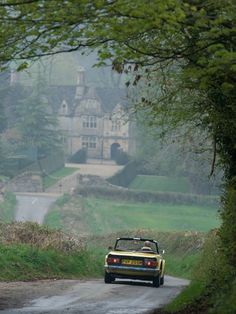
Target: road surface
[
  {"x": 33, "y": 207},
  {"x": 88, "y": 297}
]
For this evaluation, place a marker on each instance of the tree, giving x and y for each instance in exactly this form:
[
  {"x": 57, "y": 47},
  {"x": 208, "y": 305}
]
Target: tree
[
  {"x": 186, "y": 49},
  {"x": 36, "y": 123},
  {"x": 178, "y": 155}
]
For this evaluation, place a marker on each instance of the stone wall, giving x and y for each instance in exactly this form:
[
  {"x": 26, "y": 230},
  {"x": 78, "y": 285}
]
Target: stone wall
[
  {"x": 91, "y": 180},
  {"x": 26, "y": 182}
]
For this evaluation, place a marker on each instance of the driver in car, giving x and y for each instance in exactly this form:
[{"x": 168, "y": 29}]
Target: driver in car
[{"x": 147, "y": 246}]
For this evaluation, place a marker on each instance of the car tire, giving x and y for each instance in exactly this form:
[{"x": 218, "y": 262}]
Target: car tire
[
  {"x": 156, "y": 281},
  {"x": 108, "y": 278},
  {"x": 162, "y": 281}
]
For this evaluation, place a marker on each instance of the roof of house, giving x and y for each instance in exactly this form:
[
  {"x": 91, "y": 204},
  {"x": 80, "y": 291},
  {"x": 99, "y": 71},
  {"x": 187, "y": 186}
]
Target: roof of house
[{"x": 109, "y": 97}]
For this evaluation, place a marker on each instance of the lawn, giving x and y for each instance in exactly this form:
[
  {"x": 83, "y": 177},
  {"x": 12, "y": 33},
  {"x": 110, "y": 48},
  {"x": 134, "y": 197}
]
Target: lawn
[
  {"x": 160, "y": 183},
  {"x": 57, "y": 175},
  {"x": 99, "y": 216}
]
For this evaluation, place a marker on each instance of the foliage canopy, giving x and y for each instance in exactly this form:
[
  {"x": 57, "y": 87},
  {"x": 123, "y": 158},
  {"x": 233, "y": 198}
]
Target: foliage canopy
[{"x": 182, "y": 47}]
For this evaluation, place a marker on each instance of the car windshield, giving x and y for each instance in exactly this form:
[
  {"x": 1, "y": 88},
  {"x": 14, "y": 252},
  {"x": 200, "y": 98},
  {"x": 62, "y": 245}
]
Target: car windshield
[{"x": 136, "y": 245}]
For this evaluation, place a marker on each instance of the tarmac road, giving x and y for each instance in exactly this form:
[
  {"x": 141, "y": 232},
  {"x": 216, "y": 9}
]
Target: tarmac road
[
  {"x": 79, "y": 296},
  {"x": 92, "y": 296},
  {"x": 33, "y": 207}
]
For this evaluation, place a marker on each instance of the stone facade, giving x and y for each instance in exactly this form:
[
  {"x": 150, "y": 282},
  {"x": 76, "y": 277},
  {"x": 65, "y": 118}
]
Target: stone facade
[{"x": 85, "y": 123}]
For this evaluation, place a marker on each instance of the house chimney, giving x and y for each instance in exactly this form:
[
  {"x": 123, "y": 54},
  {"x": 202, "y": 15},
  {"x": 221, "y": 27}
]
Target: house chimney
[
  {"x": 80, "y": 84},
  {"x": 13, "y": 77}
]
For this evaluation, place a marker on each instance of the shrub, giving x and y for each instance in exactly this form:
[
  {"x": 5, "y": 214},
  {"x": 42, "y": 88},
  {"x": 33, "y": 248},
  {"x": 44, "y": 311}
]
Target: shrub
[
  {"x": 79, "y": 157},
  {"x": 126, "y": 175},
  {"x": 42, "y": 237},
  {"x": 121, "y": 158}
]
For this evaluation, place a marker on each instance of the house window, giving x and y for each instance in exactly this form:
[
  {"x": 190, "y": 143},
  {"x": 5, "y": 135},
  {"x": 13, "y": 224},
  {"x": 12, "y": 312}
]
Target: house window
[
  {"x": 86, "y": 122},
  {"x": 89, "y": 141},
  {"x": 115, "y": 126},
  {"x": 90, "y": 122},
  {"x": 92, "y": 142}
]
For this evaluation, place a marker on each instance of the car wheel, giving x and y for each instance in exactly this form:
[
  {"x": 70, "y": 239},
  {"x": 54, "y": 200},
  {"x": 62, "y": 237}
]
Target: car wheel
[
  {"x": 156, "y": 281},
  {"x": 108, "y": 278},
  {"x": 162, "y": 280}
]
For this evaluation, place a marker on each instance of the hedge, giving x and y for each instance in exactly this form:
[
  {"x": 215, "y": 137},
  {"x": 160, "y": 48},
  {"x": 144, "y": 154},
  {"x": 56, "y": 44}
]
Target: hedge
[
  {"x": 126, "y": 175},
  {"x": 144, "y": 196}
]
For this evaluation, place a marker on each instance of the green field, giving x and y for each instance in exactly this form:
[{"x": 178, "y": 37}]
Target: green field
[
  {"x": 100, "y": 216},
  {"x": 106, "y": 216},
  {"x": 57, "y": 175},
  {"x": 160, "y": 183}
]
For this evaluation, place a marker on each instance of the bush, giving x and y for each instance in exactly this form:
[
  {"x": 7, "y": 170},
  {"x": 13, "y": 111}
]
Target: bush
[
  {"x": 38, "y": 236},
  {"x": 121, "y": 158},
  {"x": 126, "y": 175},
  {"x": 79, "y": 157},
  {"x": 213, "y": 287}
]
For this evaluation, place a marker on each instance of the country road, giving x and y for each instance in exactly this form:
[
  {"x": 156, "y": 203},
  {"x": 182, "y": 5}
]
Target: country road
[
  {"x": 87, "y": 296},
  {"x": 33, "y": 207},
  {"x": 78, "y": 296}
]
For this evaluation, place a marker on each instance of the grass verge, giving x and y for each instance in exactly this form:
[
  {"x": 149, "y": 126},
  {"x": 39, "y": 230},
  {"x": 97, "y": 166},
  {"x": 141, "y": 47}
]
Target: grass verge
[
  {"x": 57, "y": 175},
  {"x": 213, "y": 286},
  {"x": 24, "y": 262},
  {"x": 8, "y": 207},
  {"x": 54, "y": 217},
  {"x": 30, "y": 251},
  {"x": 187, "y": 298},
  {"x": 181, "y": 265}
]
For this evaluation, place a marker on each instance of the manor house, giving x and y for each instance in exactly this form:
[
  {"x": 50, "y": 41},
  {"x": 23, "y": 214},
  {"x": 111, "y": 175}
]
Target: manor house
[{"x": 93, "y": 118}]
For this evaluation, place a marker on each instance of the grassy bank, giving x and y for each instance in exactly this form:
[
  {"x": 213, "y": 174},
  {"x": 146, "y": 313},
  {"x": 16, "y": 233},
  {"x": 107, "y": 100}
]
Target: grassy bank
[
  {"x": 213, "y": 286},
  {"x": 100, "y": 216},
  {"x": 24, "y": 262},
  {"x": 57, "y": 175},
  {"x": 8, "y": 207},
  {"x": 29, "y": 251}
]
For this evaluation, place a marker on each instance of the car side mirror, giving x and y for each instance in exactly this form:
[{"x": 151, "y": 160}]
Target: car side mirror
[{"x": 110, "y": 248}]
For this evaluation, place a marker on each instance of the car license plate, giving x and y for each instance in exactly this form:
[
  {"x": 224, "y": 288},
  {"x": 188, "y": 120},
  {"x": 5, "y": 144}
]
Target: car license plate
[{"x": 132, "y": 262}]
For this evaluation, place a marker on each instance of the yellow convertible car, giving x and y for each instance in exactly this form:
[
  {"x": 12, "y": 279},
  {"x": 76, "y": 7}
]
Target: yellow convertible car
[{"x": 135, "y": 258}]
